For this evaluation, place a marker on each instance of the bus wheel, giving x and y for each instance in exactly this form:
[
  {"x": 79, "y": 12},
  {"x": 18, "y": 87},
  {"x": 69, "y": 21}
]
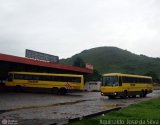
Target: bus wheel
[
  {"x": 145, "y": 93},
  {"x": 142, "y": 94},
  {"x": 18, "y": 88},
  {"x": 125, "y": 94},
  {"x": 111, "y": 97},
  {"x": 54, "y": 90},
  {"x": 62, "y": 91},
  {"x": 133, "y": 96}
]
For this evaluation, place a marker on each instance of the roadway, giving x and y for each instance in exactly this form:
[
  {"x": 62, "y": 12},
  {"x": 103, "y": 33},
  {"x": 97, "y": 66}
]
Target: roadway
[{"x": 44, "y": 108}]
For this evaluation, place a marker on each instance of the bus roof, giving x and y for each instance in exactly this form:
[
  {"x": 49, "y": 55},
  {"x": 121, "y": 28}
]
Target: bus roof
[
  {"x": 57, "y": 74},
  {"x": 121, "y": 74}
]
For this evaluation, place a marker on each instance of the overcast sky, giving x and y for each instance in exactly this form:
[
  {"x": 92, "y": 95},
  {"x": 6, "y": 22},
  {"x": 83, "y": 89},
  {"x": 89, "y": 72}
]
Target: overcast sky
[{"x": 66, "y": 27}]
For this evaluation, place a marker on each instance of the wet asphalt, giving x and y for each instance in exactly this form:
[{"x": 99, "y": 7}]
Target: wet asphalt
[{"x": 44, "y": 108}]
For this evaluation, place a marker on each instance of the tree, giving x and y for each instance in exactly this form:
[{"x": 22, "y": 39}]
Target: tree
[
  {"x": 96, "y": 76},
  {"x": 153, "y": 75},
  {"x": 79, "y": 62}
]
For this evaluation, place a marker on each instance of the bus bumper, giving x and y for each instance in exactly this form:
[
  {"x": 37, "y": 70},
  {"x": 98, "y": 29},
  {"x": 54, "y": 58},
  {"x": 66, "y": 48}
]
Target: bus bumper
[{"x": 112, "y": 94}]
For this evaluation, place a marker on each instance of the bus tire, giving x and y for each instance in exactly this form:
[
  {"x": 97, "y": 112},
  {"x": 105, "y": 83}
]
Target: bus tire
[
  {"x": 145, "y": 93},
  {"x": 54, "y": 90},
  {"x": 111, "y": 97},
  {"x": 18, "y": 88},
  {"x": 125, "y": 94},
  {"x": 133, "y": 96},
  {"x": 62, "y": 91},
  {"x": 142, "y": 94}
]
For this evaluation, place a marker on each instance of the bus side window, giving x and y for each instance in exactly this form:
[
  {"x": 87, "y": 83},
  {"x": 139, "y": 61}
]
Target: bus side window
[{"x": 120, "y": 81}]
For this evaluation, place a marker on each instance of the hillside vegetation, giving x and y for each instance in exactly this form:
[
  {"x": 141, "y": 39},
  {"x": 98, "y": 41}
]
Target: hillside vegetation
[{"x": 113, "y": 59}]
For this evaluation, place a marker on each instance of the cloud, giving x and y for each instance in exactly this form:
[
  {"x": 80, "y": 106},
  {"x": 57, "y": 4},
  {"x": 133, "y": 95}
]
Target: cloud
[{"x": 66, "y": 27}]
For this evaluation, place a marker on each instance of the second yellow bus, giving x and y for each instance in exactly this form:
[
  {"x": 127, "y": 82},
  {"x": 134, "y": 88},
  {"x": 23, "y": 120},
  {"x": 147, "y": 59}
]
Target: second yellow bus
[{"x": 125, "y": 85}]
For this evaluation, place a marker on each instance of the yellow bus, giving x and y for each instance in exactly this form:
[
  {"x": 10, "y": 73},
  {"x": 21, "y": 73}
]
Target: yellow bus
[
  {"x": 58, "y": 83},
  {"x": 125, "y": 85}
]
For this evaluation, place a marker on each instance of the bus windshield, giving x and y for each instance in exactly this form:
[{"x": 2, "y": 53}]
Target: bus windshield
[{"x": 110, "y": 81}]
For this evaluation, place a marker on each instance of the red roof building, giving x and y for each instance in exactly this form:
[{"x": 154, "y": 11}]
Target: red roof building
[{"x": 15, "y": 63}]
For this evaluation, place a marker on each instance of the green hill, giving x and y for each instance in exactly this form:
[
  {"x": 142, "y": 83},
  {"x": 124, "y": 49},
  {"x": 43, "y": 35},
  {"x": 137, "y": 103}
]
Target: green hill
[{"x": 112, "y": 59}]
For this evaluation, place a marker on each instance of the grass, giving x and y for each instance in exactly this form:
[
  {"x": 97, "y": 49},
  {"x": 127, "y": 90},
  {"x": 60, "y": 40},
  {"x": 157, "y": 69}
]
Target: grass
[{"x": 144, "y": 113}]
